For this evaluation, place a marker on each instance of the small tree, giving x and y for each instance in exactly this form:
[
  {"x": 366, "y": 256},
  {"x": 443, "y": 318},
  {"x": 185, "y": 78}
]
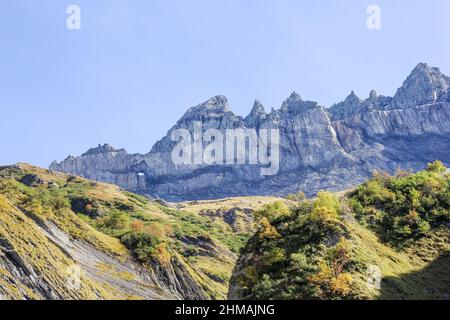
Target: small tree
[
  {"x": 331, "y": 280},
  {"x": 325, "y": 208},
  {"x": 264, "y": 288},
  {"x": 328, "y": 200},
  {"x": 116, "y": 221},
  {"x": 272, "y": 211},
  {"x": 340, "y": 256},
  {"x": 275, "y": 255},
  {"x": 266, "y": 230},
  {"x": 437, "y": 167}
]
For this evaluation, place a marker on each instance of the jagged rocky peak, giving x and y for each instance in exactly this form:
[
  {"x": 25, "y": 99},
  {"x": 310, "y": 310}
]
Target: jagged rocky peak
[
  {"x": 258, "y": 108},
  {"x": 352, "y": 98},
  {"x": 375, "y": 101},
  {"x": 350, "y": 106},
  {"x": 256, "y": 116},
  {"x": 294, "y": 99},
  {"x": 216, "y": 106},
  {"x": 359, "y": 139},
  {"x": 53, "y": 164},
  {"x": 424, "y": 85},
  {"x": 295, "y": 105},
  {"x": 219, "y": 103},
  {"x": 106, "y": 148},
  {"x": 373, "y": 95},
  {"x": 214, "y": 113}
]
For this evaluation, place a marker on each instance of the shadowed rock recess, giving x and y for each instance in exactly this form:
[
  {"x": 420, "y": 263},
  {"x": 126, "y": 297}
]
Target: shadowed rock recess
[{"x": 320, "y": 148}]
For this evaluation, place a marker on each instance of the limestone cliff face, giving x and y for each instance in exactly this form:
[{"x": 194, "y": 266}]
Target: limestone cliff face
[{"x": 320, "y": 148}]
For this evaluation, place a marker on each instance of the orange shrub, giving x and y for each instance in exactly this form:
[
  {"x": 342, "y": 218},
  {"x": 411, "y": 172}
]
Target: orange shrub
[{"x": 137, "y": 225}]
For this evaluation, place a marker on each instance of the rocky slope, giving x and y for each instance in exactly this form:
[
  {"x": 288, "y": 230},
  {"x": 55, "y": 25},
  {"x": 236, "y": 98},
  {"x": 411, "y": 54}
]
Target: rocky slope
[
  {"x": 64, "y": 237},
  {"x": 320, "y": 148}
]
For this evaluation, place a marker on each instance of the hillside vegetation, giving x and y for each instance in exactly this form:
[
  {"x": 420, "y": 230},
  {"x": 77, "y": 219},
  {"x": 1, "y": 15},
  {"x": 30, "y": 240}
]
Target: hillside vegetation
[
  {"x": 65, "y": 237},
  {"x": 127, "y": 246},
  {"x": 388, "y": 239}
]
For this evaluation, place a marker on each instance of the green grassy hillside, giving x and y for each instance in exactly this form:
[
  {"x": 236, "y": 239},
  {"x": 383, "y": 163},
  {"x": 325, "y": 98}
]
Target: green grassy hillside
[
  {"x": 387, "y": 239},
  {"x": 50, "y": 222}
]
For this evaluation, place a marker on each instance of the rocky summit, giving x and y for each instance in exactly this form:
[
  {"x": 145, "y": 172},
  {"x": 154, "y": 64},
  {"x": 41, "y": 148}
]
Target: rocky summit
[{"x": 331, "y": 148}]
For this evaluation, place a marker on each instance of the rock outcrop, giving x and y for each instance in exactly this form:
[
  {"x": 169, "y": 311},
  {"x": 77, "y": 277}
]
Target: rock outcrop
[{"x": 320, "y": 148}]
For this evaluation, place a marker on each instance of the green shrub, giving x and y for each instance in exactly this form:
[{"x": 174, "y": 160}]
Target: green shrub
[
  {"x": 115, "y": 221},
  {"x": 274, "y": 256},
  {"x": 328, "y": 200},
  {"x": 405, "y": 206},
  {"x": 142, "y": 244},
  {"x": 264, "y": 289},
  {"x": 325, "y": 208},
  {"x": 437, "y": 167},
  {"x": 287, "y": 250},
  {"x": 272, "y": 211}
]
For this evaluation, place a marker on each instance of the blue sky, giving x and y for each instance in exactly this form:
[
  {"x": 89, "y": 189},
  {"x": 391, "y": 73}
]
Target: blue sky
[{"x": 135, "y": 66}]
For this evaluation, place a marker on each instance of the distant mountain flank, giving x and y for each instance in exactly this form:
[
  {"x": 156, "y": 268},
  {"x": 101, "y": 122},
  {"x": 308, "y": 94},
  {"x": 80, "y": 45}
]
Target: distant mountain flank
[{"x": 320, "y": 148}]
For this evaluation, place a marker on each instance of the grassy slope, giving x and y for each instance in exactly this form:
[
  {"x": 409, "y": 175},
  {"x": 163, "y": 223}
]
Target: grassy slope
[
  {"x": 419, "y": 271},
  {"x": 101, "y": 215},
  {"x": 45, "y": 258},
  {"x": 19, "y": 229},
  {"x": 198, "y": 235},
  {"x": 283, "y": 260},
  {"x": 405, "y": 272}
]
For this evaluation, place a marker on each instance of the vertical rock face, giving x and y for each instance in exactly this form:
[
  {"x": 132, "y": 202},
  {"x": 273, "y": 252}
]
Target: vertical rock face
[{"x": 320, "y": 148}]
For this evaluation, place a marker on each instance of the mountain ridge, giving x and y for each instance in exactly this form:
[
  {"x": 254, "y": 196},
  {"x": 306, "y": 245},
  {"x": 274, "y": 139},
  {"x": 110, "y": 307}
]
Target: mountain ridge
[{"x": 320, "y": 148}]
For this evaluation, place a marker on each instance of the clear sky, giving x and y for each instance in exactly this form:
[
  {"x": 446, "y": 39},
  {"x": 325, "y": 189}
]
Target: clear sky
[{"x": 135, "y": 66}]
